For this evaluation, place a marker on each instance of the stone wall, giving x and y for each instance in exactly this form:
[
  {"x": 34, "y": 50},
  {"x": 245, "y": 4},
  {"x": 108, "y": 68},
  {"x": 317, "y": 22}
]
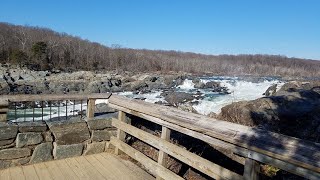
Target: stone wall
[{"x": 33, "y": 142}]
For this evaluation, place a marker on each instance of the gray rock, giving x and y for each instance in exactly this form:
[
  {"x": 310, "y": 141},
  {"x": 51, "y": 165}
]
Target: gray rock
[
  {"x": 14, "y": 153},
  {"x": 4, "y": 164},
  {"x": 94, "y": 148},
  {"x": 69, "y": 132},
  {"x": 20, "y": 161},
  {"x": 103, "y": 108},
  {"x": 175, "y": 98},
  {"x": 103, "y": 135},
  {"x": 8, "y": 131},
  {"x": 29, "y": 138},
  {"x": 293, "y": 112},
  {"x": 271, "y": 90},
  {"x": 66, "y": 151},
  {"x": 4, "y": 87},
  {"x": 38, "y": 126},
  {"x": 212, "y": 84},
  {"x": 42, "y": 152},
  {"x": 48, "y": 136},
  {"x": 6, "y": 142},
  {"x": 99, "y": 124}
]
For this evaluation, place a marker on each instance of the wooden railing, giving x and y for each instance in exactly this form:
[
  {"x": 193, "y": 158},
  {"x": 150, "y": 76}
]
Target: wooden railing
[
  {"x": 257, "y": 146},
  {"x": 89, "y": 98}
]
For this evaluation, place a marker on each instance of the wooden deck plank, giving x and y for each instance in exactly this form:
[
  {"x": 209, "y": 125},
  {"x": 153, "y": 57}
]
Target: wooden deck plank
[
  {"x": 16, "y": 173},
  {"x": 105, "y": 171},
  {"x": 89, "y": 169},
  {"x": 132, "y": 168},
  {"x": 5, "y": 174},
  {"x": 54, "y": 170},
  {"x": 75, "y": 166},
  {"x": 42, "y": 171},
  {"x": 30, "y": 172},
  {"x": 121, "y": 173},
  {"x": 97, "y": 166},
  {"x": 65, "y": 169}
]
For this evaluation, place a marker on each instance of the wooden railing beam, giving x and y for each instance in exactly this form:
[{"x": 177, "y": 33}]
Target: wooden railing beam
[
  {"x": 91, "y": 103},
  {"x": 121, "y": 135},
  {"x": 251, "y": 170},
  {"x": 162, "y": 157}
]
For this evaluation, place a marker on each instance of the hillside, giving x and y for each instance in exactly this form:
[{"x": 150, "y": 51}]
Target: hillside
[{"x": 44, "y": 49}]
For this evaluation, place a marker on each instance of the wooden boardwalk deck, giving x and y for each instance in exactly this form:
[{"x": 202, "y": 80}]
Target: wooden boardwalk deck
[{"x": 97, "y": 166}]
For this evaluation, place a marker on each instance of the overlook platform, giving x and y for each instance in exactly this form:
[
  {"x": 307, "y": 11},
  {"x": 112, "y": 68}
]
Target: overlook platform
[{"x": 97, "y": 166}]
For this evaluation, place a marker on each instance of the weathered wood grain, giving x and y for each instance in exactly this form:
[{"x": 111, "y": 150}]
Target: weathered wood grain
[
  {"x": 121, "y": 135},
  {"x": 251, "y": 170},
  {"x": 152, "y": 166},
  {"x": 53, "y": 97},
  {"x": 181, "y": 154},
  {"x": 225, "y": 145},
  {"x": 295, "y": 151}
]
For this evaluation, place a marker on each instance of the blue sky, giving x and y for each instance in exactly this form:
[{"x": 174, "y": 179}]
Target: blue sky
[{"x": 285, "y": 27}]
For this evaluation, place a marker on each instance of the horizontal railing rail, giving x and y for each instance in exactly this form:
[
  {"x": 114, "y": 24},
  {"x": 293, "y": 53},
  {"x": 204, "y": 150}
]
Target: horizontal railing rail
[
  {"x": 9, "y": 103},
  {"x": 257, "y": 146},
  {"x": 53, "y": 97}
]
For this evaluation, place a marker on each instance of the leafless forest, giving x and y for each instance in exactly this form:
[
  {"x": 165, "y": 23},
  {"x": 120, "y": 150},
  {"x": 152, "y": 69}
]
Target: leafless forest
[{"x": 42, "y": 49}]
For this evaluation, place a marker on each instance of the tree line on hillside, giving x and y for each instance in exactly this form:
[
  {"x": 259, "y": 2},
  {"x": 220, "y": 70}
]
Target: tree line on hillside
[{"x": 43, "y": 49}]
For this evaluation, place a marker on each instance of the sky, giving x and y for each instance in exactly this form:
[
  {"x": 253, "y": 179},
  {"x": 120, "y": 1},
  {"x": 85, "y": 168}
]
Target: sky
[{"x": 279, "y": 27}]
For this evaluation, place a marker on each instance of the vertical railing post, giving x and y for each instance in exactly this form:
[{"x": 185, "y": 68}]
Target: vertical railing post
[
  {"x": 121, "y": 135},
  {"x": 90, "y": 108},
  {"x": 162, "y": 157},
  {"x": 251, "y": 169},
  {"x": 4, "y": 106}
]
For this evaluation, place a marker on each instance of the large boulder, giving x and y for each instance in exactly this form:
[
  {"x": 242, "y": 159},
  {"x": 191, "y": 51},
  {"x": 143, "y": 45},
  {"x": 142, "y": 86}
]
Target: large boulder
[
  {"x": 198, "y": 83},
  {"x": 176, "y": 98},
  {"x": 297, "y": 85},
  {"x": 294, "y": 112}
]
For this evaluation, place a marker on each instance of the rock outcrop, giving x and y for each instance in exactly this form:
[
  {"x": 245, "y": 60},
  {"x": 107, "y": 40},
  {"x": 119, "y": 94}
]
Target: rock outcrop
[{"x": 294, "y": 110}]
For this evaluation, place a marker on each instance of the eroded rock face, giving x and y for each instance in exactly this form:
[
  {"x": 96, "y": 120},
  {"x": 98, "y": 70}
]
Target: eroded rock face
[
  {"x": 293, "y": 111},
  {"x": 69, "y": 132}
]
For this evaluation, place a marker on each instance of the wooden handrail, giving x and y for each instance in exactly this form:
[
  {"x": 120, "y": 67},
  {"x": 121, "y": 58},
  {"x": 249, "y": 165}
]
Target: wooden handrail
[
  {"x": 54, "y": 97},
  {"x": 288, "y": 153}
]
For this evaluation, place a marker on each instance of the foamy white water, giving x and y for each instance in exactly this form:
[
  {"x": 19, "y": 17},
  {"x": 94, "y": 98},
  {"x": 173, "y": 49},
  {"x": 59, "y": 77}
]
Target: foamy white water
[{"x": 240, "y": 90}]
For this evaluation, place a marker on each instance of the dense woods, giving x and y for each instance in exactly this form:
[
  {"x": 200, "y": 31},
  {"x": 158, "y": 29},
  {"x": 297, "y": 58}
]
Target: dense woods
[{"x": 43, "y": 49}]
